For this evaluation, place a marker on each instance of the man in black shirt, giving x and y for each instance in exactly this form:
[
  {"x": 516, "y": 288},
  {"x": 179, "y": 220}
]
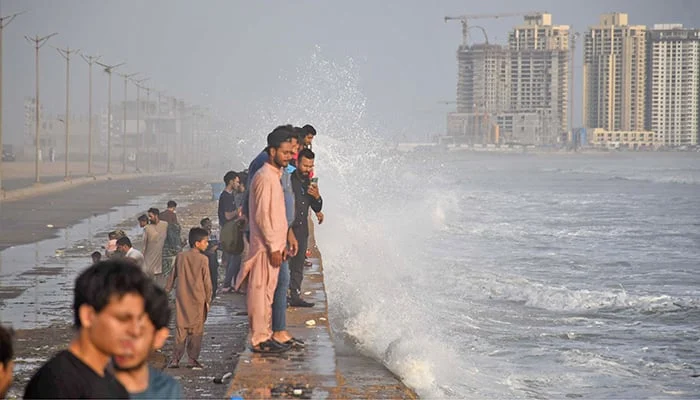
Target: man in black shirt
[
  {"x": 108, "y": 310},
  {"x": 305, "y": 194},
  {"x": 228, "y": 211}
]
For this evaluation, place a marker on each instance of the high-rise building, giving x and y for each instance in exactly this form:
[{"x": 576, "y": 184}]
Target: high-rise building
[
  {"x": 674, "y": 84},
  {"x": 614, "y": 75},
  {"x": 482, "y": 79},
  {"x": 539, "y": 69}
]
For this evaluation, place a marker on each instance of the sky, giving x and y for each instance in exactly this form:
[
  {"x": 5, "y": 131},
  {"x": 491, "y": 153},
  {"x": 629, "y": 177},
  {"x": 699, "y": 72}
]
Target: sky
[{"x": 232, "y": 56}]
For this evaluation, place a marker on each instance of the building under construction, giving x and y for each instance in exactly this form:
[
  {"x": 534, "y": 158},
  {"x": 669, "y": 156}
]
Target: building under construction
[{"x": 514, "y": 94}]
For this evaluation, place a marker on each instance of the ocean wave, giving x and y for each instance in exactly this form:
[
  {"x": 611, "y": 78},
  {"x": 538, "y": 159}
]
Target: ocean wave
[{"x": 562, "y": 299}]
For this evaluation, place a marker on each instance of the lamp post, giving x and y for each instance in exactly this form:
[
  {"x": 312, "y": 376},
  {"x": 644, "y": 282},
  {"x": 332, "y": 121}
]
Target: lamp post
[
  {"x": 38, "y": 43},
  {"x": 90, "y": 60},
  {"x": 108, "y": 70},
  {"x": 139, "y": 85},
  {"x": 126, "y": 81},
  {"x": 4, "y": 21},
  {"x": 66, "y": 53}
]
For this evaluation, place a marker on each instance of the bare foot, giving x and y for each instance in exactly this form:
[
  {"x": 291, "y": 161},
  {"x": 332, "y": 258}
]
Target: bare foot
[{"x": 281, "y": 336}]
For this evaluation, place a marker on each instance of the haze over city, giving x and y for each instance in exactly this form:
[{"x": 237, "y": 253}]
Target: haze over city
[{"x": 234, "y": 56}]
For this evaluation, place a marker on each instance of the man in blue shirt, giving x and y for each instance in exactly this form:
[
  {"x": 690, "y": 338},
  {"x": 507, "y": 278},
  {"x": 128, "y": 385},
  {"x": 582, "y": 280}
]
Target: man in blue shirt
[{"x": 133, "y": 371}]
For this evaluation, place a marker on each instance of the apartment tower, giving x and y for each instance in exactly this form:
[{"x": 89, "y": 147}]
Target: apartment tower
[
  {"x": 674, "y": 84},
  {"x": 539, "y": 69},
  {"x": 614, "y": 75}
]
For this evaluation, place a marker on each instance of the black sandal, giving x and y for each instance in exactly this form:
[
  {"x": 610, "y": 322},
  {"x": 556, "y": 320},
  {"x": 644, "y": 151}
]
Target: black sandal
[
  {"x": 295, "y": 343},
  {"x": 270, "y": 347}
]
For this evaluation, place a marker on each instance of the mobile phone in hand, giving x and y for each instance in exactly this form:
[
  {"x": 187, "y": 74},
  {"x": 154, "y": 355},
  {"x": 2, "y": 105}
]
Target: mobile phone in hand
[{"x": 314, "y": 181}]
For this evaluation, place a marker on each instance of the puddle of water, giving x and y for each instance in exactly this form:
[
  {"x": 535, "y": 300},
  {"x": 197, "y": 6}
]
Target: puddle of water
[{"x": 45, "y": 271}]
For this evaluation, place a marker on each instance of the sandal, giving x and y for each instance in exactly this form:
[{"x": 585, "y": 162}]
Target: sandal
[
  {"x": 295, "y": 343},
  {"x": 270, "y": 347}
]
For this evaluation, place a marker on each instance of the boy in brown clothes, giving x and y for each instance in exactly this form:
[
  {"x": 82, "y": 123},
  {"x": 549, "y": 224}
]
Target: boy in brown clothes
[{"x": 193, "y": 298}]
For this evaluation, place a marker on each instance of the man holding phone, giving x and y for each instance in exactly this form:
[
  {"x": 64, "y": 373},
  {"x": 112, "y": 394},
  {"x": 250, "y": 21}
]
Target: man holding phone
[{"x": 306, "y": 195}]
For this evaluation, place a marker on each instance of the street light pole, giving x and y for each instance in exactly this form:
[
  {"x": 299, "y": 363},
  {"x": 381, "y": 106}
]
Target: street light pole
[
  {"x": 90, "y": 60},
  {"x": 108, "y": 70},
  {"x": 138, "y": 83},
  {"x": 126, "y": 81},
  {"x": 38, "y": 43},
  {"x": 66, "y": 53},
  {"x": 148, "y": 139},
  {"x": 4, "y": 21}
]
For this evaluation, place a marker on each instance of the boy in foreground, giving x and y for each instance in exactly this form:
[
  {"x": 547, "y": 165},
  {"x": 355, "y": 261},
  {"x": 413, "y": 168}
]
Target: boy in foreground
[
  {"x": 133, "y": 371},
  {"x": 193, "y": 298}
]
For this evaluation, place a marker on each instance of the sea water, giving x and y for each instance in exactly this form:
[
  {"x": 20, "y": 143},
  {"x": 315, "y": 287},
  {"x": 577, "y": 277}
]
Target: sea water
[{"x": 505, "y": 275}]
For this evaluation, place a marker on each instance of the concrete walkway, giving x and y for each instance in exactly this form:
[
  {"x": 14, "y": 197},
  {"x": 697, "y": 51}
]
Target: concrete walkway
[{"x": 319, "y": 371}]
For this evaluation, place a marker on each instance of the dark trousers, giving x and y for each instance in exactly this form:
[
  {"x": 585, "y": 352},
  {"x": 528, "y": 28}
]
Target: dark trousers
[
  {"x": 233, "y": 265},
  {"x": 296, "y": 263}
]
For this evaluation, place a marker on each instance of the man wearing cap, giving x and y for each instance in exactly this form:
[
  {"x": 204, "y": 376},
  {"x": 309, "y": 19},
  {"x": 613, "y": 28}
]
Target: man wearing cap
[{"x": 268, "y": 240}]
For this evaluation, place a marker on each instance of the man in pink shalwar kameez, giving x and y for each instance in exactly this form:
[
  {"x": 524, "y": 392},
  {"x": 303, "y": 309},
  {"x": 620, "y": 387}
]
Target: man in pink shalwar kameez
[{"x": 268, "y": 241}]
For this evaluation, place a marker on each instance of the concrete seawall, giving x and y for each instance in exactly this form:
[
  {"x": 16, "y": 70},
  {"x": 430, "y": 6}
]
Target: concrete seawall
[{"x": 322, "y": 369}]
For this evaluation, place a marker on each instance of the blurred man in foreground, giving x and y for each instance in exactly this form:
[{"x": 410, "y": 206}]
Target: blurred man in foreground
[
  {"x": 108, "y": 310},
  {"x": 133, "y": 371}
]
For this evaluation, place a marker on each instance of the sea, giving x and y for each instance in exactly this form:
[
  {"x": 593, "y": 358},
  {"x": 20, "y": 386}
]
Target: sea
[
  {"x": 522, "y": 276},
  {"x": 503, "y": 276}
]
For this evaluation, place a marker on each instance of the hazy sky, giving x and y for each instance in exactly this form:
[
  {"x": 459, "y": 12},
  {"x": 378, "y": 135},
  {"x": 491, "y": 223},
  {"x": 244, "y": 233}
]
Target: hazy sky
[{"x": 234, "y": 55}]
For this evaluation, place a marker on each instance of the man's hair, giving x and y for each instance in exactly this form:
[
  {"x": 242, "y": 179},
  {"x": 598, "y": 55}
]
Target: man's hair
[
  {"x": 230, "y": 175},
  {"x": 279, "y": 135},
  {"x": 124, "y": 241},
  {"x": 204, "y": 221},
  {"x": 154, "y": 211},
  {"x": 97, "y": 254},
  {"x": 244, "y": 176},
  {"x": 197, "y": 234},
  {"x": 112, "y": 235},
  {"x": 308, "y": 129},
  {"x": 299, "y": 133},
  {"x": 157, "y": 306},
  {"x": 97, "y": 285},
  {"x": 306, "y": 153},
  {"x": 143, "y": 217},
  {"x": 6, "y": 351},
  {"x": 171, "y": 204}
]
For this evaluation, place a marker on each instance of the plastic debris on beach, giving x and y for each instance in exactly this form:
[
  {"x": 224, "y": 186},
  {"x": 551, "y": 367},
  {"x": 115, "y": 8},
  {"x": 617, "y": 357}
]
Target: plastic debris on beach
[{"x": 294, "y": 390}]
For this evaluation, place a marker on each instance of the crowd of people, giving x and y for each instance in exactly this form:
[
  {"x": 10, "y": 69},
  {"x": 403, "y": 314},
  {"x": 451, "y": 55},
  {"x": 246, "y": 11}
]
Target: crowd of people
[{"x": 121, "y": 302}]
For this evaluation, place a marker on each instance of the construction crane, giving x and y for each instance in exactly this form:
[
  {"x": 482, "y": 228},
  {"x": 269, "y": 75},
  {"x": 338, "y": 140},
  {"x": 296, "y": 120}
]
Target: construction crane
[{"x": 465, "y": 18}]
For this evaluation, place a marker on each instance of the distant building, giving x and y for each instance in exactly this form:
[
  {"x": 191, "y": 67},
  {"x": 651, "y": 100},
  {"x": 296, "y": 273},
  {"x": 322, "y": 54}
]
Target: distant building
[
  {"x": 516, "y": 93},
  {"x": 674, "y": 84},
  {"x": 632, "y": 140},
  {"x": 528, "y": 128},
  {"x": 539, "y": 69},
  {"x": 614, "y": 75},
  {"x": 482, "y": 81},
  {"x": 46, "y": 142}
]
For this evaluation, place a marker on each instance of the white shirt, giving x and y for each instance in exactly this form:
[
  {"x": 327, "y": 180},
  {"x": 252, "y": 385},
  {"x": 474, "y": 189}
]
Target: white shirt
[{"x": 135, "y": 255}]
